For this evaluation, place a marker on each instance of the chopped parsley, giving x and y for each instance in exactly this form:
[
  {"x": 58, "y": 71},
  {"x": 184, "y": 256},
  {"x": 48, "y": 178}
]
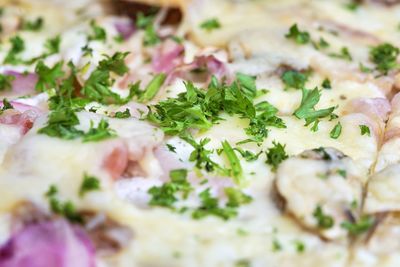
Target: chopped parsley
[
  {"x": 146, "y": 23},
  {"x": 171, "y": 148},
  {"x": 294, "y": 79},
  {"x": 101, "y": 132},
  {"x": 5, "y": 82},
  {"x": 342, "y": 173},
  {"x": 248, "y": 155},
  {"x": 123, "y": 114},
  {"x": 6, "y": 105},
  {"x": 47, "y": 77},
  {"x": 326, "y": 84},
  {"x": 336, "y": 131},
  {"x": 321, "y": 44},
  {"x": 34, "y": 25},
  {"x": 323, "y": 221},
  {"x": 66, "y": 209},
  {"x": 165, "y": 195},
  {"x": 359, "y": 227},
  {"x": 243, "y": 263},
  {"x": 200, "y": 109},
  {"x": 200, "y": 155},
  {"x": 384, "y": 57},
  {"x": 97, "y": 86},
  {"x": 53, "y": 45},
  {"x": 344, "y": 54},
  {"x": 275, "y": 155},
  {"x": 236, "y": 197},
  {"x": 307, "y": 111},
  {"x": 17, "y": 46},
  {"x": 300, "y": 37},
  {"x": 153, "y": 87},
  {"x": 210, "y": 206},
  {"x": 98, "y": 33},
  {"x": 276, "y": 245},
  {"x": 89, "y": 183},
  {"x": 365, "y": 130},
  {"x": 210, "y": 24},
  {"x": 235, "y": 170},
  {"x": 300, "y": 246}
]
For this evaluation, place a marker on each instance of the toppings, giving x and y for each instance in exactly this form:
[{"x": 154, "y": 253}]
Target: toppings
[
  {"x": 307, "y": 111},
  {"x": 384, "y": 57},
  {"x": 17, "y": 46},
  {"x": 47, "y": 77},
  {"x": 146, "y": 23},
  {"x": 307, "y": 184},
  {"x": 294, "y": 79},
  {"x": 336, "y": 131},
  {"x": 98, "y": 33},
  {"x": 361, "y": 226},
  {"x": 5, "y": 82},
  {"x": 275, "y": 155},
  {"x": 300, "y": 37},
  {"x": 344, "y": 54},
  {"x": 89, "y": 183},
  {"x": 236, "y": 169},
  {"x": 365, "y": 130},
  {"x": 200, "y": 109},
  {"x": 323, "y": 221},
  {"x": 210, "y": 25},
  {"x": 47, "y": 244},
  {"x": 165, "y": 195},
  {"x": 35, "y": 25}
]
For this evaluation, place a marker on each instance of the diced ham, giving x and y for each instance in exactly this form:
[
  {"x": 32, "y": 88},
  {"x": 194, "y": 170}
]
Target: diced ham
[
  {"x": 23, "y": 84},
  {"x": 168, "y": 57},
  {"x": 117, "y": 161},
  {"x": 48, "y": 244}
]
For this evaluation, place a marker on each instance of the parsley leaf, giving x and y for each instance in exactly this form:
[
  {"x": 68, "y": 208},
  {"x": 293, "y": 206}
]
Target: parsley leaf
[
  {"x": 66, "y": 209},
  {"x": 365, "y": 130},
  {"x": 89, "y": 183},
  {"x": 359, "y": 227},
  {"x": 6, "y": 105},
  {"x": 100, "y": 133},
  {"x": 165, "y": 195},
  {"x": 153, "y": 87},
  {"x": 236, "y": 169},
  {"x": 5, "y": 82},
  {"x": 53, "y": 45},
  {"x": 17, "y": 46},
  {"x": 47, "y": 77},
  {"x": 236, "y": 197},
  {"x": 98, "y": 33},
  {"x": 344, "y": 54},
  {"x": 326, "y": 84},
  {"x": 275, "y": 155},
  {"x": 210, "y": 206},
  {"x": 146, "y": 23},
  {"x": 384, "y": 56},
  {"x": 210, "y": 25},
  {"x": 306, "y": 109},
  {"x": 323, "y": 221},
  {"x": 300, "y": 37},
  {"x": 35, "y": 25},
  {"x": 336, "y": 131},
  {"x": 294, "y": 79},
  {"x": 123, "y": 114},
  {"x": 248, "y": 155}
]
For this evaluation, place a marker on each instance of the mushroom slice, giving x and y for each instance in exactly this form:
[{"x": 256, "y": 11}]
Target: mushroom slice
[{"x": 322, "y": 189}]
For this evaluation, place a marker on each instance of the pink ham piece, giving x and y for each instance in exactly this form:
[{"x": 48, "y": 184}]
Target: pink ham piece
[
  {"x": 168, "y": 57},
  {"x": 23, "y": 84},
  {"x": 22, "y": 116},
  {"x": 376, "y": 110},
  {"x": 125, "y": 28},
  {"x": 48, "y": 244},
  {"x": 210, "y": 63}
]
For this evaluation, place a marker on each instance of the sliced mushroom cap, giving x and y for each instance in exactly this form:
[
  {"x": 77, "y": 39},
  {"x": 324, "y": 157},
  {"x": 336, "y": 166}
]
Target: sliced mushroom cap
[
  {"x": 383, "y": 193},
  {"x": 322, "y": 188}
]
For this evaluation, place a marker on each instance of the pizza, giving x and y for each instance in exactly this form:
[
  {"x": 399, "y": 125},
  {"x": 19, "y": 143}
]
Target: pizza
[{"x": 210, "y": 133}]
